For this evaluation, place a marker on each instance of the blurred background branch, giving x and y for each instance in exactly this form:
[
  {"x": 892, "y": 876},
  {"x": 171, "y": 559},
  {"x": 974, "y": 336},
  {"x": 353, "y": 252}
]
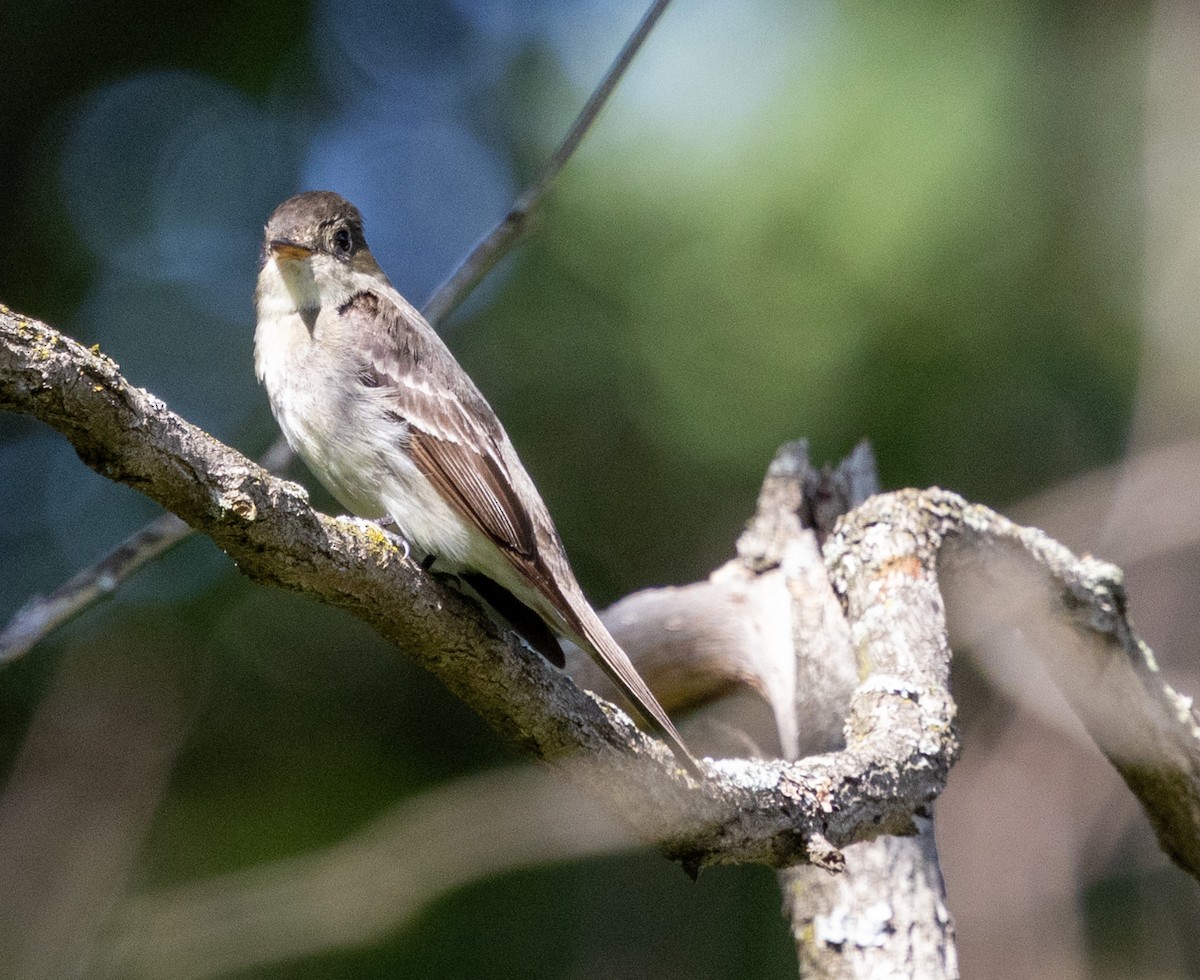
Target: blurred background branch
[{"x": 492, "y": 247}]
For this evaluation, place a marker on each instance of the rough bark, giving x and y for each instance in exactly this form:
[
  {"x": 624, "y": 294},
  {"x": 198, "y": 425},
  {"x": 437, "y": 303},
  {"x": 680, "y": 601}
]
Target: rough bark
[
  {"x": 897, "y": 565},
  {"x": 776, "y": 813},
  {"x": 886, "y": 914}
]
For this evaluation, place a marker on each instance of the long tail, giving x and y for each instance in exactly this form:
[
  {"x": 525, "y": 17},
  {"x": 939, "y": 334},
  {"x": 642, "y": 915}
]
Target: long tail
[{"x": 596, "y": 639}]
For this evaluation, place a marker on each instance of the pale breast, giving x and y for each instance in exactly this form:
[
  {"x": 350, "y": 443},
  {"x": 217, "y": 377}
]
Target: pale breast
[
  {"x": 346, "y": 433},
  {"x": 321, "y": 414}
]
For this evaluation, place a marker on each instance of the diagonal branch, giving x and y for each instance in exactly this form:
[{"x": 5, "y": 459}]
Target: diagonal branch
[
  {"x": 772, "y": 813},
  {"x": 998, "y": 576},
  {"x": 884, "y": 560},
  {"x": 43, "y": 614},
  {"x": 491, "y": 248}
]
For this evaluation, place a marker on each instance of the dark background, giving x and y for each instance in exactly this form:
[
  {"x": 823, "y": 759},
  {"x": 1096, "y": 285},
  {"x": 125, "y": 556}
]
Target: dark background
[{"x": 924, "y": 224}]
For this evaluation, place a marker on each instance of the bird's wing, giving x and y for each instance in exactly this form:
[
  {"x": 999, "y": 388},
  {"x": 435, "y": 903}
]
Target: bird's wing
[
  {"x": 454, "y": 436},
  {"x": 458, "y": 443}
]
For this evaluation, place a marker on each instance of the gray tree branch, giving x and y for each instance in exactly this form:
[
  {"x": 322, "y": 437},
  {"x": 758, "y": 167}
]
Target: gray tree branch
[
  {"x": 766, "y": 622},
  {"x": 883, "y": 560},
  {"x": 774, "y": 813},
  {"x": 890, "y": 560},
  {"x": 887, "y": 913},
  {"x": 1000, "y": 578}
]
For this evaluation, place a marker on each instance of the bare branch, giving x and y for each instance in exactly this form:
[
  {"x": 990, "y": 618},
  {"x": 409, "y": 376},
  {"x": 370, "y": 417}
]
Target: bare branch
[
  {"x": 882, "y": 558},
  {"x": 886, "y": 916},
  {"x": 489, "y": 249},
  {"x": 999, "y": 576},
  {"x": 702, "y": 643},
  {"x": 771, "y": 813},
  {"x": 41, "y": 615},
  {"x": 884, "y": 561}
]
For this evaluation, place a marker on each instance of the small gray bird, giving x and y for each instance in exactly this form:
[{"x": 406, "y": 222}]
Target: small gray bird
[{"x": 376, "y": 405}]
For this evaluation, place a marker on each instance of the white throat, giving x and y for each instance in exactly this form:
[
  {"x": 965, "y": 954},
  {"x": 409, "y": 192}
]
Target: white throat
[{"x": 287, "y": 286}]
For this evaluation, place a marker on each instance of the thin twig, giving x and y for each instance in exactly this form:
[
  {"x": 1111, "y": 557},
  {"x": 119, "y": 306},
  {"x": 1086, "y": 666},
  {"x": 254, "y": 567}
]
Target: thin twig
[
  {"x": 489, "y": 249},
  {"x": 41, "y": 615}
]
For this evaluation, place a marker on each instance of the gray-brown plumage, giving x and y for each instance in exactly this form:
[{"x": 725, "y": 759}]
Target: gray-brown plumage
[{"x": 375, "y": 403}]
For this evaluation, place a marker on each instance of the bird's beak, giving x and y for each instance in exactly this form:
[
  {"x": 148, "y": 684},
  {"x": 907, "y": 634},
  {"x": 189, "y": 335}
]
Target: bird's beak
[{"x": 282, "y": 248}]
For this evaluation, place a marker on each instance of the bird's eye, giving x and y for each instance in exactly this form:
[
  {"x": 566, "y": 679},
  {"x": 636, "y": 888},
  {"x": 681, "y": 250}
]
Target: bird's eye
[{"x": 342, "y": 240}]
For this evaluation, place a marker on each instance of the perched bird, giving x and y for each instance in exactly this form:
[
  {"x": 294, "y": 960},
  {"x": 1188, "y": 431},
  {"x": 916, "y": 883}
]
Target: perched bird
[{"x": 374, "y": 402}]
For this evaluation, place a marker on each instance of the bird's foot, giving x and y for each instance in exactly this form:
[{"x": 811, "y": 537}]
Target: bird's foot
[{"x": 391, "y": 529}]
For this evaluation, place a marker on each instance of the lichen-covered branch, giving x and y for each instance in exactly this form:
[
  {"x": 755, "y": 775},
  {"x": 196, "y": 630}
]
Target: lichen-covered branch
[
  {"x": 997, "y": 575},
  {"x": 884, "y": 559},
  {"x": 774, "y": 813},
  {"x": 886, "y": 914},
  {"x": 890, "y": 561},
  {"x": 766, "y": 621}
]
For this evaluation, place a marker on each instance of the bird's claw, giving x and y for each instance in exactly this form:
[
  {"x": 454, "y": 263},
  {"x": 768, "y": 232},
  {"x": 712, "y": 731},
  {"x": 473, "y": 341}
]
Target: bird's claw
[{"x": 390, "y": 527}]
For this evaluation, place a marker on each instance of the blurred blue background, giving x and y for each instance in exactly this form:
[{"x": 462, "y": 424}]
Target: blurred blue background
[{"x": 916, "y": 223}]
